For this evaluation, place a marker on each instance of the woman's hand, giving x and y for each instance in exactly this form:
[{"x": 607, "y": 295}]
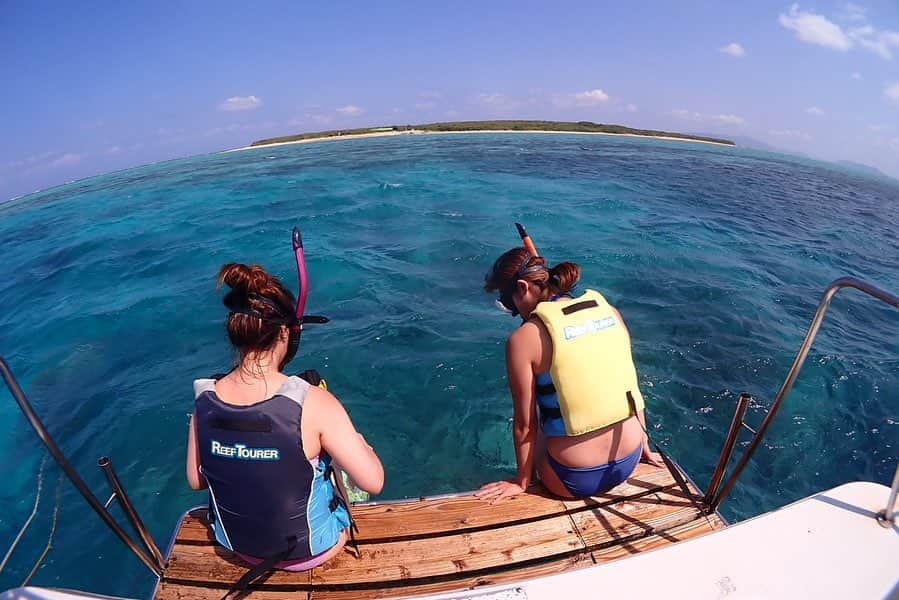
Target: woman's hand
[
  {"x": 496, "y": 491},
  {"x": 653, "y": 458}
]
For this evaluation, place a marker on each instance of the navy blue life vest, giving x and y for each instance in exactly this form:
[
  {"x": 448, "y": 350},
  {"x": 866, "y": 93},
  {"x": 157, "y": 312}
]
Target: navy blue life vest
[
  {"x": 548, "y": 406},
  {"x": 265, "y": 496}
]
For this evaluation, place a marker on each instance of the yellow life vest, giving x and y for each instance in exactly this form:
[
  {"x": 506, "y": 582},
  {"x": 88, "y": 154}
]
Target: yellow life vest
[{"x": 592, "y": 369}]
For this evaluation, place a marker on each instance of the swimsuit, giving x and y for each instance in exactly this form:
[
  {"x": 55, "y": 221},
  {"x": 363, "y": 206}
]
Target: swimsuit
[{"x": 589, "y": 481}]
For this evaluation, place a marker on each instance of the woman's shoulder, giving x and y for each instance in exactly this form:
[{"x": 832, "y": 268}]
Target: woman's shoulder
[
  {"x": 318, "y": 398},
  {"x": 526, "y": 336}
]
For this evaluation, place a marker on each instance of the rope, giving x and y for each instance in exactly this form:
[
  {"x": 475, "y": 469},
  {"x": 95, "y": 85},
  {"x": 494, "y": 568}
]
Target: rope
[
  {"x": 37, "y": 499},
  {"x": 49, "y": 539}
]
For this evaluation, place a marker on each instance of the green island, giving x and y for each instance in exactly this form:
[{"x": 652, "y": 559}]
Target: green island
[{"x": 468, "y": 126}]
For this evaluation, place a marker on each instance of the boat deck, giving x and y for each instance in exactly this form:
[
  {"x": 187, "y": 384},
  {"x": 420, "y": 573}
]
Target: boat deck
[{"x": 455, "y": 543}]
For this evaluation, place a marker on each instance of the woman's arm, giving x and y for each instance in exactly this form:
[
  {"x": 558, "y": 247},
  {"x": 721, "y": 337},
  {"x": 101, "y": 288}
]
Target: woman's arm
[
  {"x": 519, "y": 368},
  {"x": 653, "y": 458},
  {"x": 647, "y": 455},
  {"x": 195, "y": 479},
  {"x": 346, "y": 446}
]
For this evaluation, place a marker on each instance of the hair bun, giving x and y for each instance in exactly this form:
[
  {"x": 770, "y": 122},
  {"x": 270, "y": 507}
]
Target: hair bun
[
  {"x": 245, "y": 278},
  {"x": 565, "y": 275}
]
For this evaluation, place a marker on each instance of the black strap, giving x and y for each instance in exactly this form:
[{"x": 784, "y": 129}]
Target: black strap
[
  {"x": 549, "y": 412},
  {"x": 573, "y": 308},
  {"x": 341, "y": 497},
  {"x": 259, "y": 424},
  {"x": 266, "y": 566},
  {"x": 545, "y": 389},
  {"x": 672, "y": 468}
]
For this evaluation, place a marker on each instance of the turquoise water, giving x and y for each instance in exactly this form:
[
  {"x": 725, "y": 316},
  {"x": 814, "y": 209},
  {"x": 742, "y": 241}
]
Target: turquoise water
[{"x": 715, "y": 256}]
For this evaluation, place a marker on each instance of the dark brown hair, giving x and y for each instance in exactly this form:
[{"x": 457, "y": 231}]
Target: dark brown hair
[
  {"x": 254, "y": 289},
  {"x": 558, "y": 279}
]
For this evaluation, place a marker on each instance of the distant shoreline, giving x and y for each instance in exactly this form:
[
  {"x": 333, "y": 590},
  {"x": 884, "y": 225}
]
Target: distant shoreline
[{"x": 372, "y": 134}]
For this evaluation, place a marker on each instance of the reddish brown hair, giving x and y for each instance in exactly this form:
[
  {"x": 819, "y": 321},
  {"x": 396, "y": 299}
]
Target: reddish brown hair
[
  {"x": 558, "y": 279},
  {"x": 250, "y": 333}
]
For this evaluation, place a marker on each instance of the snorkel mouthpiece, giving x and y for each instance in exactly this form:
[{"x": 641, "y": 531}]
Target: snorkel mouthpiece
[{"x": 526, "y": 239}]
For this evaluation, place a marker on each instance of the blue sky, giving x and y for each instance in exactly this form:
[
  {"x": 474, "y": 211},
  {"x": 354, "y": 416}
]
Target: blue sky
[{"x": 95, "y": 87}]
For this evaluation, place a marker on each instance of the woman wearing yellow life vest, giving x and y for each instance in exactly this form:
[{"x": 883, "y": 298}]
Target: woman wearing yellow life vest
[{"x": 572, "y": 379}]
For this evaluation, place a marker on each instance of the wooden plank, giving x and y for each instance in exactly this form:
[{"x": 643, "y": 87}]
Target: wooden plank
[
  {"x": 176, "y": 591},
  {"x": 194, "y": 530},
  {"x": 646, "y": 479},
  {"x": 630, "y": 519},
  {"x": 444, "y": 556},
  {"x": 420, "y": 518},
  {"x": 451, "y": 555},
  {"x": 465, "y": 583},
  {"x": 692, "y": 529}
]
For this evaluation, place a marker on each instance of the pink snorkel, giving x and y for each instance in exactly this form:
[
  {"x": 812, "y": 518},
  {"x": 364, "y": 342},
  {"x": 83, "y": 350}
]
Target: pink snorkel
[
  {"x": 302, "y": 277},
  {"x": 296, "y": 328}
]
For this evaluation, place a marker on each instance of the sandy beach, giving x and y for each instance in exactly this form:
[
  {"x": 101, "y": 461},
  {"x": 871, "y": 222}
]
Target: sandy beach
[{"x": 423, "y": 132}]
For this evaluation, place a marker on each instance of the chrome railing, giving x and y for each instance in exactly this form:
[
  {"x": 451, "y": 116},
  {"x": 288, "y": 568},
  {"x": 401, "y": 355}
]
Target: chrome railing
[
  {"x": 887, "y": 517},
  {"x": 713, "y": 496},
  {"x": 153, "y": 560}
]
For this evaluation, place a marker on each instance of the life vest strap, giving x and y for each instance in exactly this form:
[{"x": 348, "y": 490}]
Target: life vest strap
[
  {"x": 267, "y": 565},
  {"x": 262, "y": 424},
  {"x": 341, "y": 498},
  {"x": 545, "y": 389},
  {"x": 573, "y": 308}
]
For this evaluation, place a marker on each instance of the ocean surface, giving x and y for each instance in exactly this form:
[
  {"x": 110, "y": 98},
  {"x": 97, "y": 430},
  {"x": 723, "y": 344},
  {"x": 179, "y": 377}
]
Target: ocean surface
[{"x": 715, "y": 256}]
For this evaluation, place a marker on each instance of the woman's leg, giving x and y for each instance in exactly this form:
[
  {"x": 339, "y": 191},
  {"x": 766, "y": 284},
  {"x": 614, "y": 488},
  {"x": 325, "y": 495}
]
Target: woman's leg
[{"x": 550, "y": 480}]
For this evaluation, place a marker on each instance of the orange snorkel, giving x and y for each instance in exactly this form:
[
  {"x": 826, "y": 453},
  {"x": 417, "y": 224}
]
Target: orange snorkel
[{"x": 526, "y": 240}]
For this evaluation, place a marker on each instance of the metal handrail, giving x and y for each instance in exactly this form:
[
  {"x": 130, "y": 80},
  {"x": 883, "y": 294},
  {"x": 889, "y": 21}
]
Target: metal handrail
[
  {"x": 118, "y": 492},
  {"x": 832, "y": 289},
  {"x": 73, "y": 476},
  {"x": 728, "y": 448},
  {"x": 888, "y": 515}
]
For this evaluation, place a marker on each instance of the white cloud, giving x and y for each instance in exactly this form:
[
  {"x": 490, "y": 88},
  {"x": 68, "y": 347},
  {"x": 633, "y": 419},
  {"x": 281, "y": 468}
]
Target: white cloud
[
  {"x": 815, "y": 111},
  {"x": 878, "y": 42},
  {"x": 239, "y": 103},
  {"x": 350, "y": 110},
  {"x": 631, "y": 108},
  {"x": 591, "y": 97},
  {"x": 815, "y": 29},
  {"x": 730, "y": 119},
  {"x": 724, "y": 119},
  {"x": 114, "y": 150},
  {"x": 66, "y": 160},
  {"x": 892, "y": 91},
  {"x": 491, "y": 99},
  {"x": 498, "y": 103},
  {"x": 856, "y": 76},
  {"x": 682, "y": 113},
  {"x": 307, "y": 118},
  {"x": 429, "y": 94},
  {"x": 790, "y": 134},
  {"x": 733, "y": 49},
  {"x": 854, "y": 12}
]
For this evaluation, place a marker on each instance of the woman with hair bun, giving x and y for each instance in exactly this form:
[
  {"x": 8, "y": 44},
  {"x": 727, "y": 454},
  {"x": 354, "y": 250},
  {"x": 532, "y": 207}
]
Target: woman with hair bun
[
  {"x": 264, "y": 442},
  {"x": 573, "y": 382}
]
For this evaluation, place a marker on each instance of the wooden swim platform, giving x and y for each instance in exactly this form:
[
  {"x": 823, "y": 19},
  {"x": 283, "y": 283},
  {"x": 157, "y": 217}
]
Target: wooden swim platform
[{"x": 443, "y": 544}]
